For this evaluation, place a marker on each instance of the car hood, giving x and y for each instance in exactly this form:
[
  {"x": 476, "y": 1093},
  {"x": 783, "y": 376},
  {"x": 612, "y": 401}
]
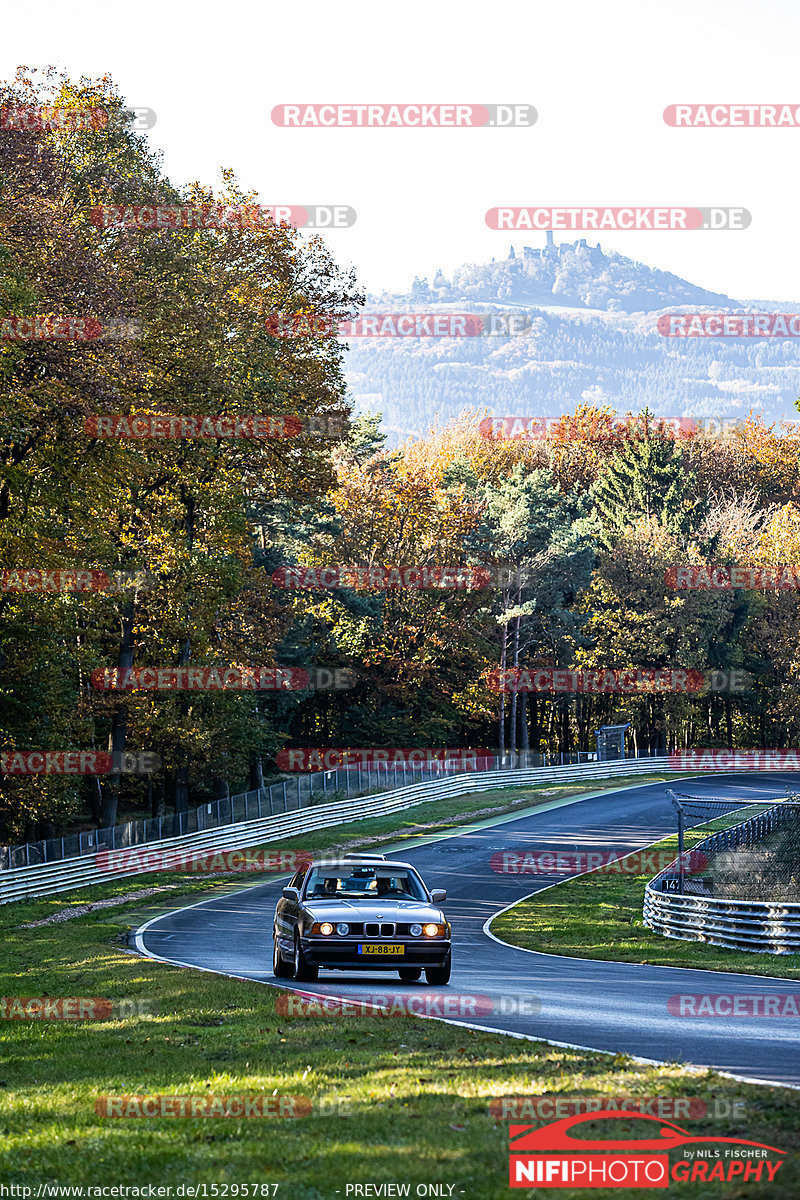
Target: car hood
[{"x": 405, "y": 911}]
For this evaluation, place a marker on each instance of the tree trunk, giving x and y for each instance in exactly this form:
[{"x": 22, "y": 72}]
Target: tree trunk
[
  {"x": 182, "y": 772},
  {"x": 729, "y": 722},
  {"x": 501, "y": 732},
  {"x": 566, "y": 731},
  {"x": 182, "y": 789},
  {"x": 119, "y": 721},
  {"x": 221, "y": 789},
  {"x": 159, "y": 797},
  {"x": 513, "y": 714},
  {"x": 97, "y": 801},
  {"x": 256, "y": 772},
  {"x": 535, "y": 723}
]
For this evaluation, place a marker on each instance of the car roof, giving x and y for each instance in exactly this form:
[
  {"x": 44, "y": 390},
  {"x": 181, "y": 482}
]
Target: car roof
[{"x": 361, "y": 861}]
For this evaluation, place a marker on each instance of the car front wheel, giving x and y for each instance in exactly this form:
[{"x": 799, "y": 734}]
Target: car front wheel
[
  {"x": 280, "y": 969},
  {"x": 439, "y": 975},
  {"x": 303, "y": 970}
]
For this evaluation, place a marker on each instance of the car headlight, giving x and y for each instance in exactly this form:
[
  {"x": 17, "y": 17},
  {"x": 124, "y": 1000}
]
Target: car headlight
[
  {"x": 431, "y": 930},
  {"x": 326, "y": 928},
  {"x": 342, "y": 928},
  {"x": 415, "y": 930}
]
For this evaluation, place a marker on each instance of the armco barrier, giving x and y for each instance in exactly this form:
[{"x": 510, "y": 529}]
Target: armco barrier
[
  {"x": 45, "y": 879},
  {"x": 301, "y": 790},
  {"x": 761, "y": 926},
  {"x": 298, "y": 791}
]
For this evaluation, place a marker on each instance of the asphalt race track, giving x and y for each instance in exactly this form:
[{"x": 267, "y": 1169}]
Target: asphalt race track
[{"x": 621, "y": 1007}]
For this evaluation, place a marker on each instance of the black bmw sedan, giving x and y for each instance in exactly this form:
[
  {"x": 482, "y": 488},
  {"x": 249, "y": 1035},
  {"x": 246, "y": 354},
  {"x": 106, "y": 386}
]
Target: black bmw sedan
[{"x": 361, "y": 913}]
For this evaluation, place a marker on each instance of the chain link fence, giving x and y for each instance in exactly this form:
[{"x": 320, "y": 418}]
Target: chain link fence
[
  {"x": 764, "y": 861},
  {"x": 296, "y": 792},
  {"x": 757, "y": 859}
]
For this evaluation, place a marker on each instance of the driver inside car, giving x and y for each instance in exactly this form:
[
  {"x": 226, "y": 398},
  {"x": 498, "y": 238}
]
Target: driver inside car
[{"x": 327, "y": 887}]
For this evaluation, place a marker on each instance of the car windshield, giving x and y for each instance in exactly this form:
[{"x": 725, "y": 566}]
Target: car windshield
[{"x": 363, "y": 883}]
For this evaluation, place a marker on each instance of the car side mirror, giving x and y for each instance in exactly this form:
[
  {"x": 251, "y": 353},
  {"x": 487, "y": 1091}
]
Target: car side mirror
[
  {"x": 438, "y": 895},
  {"x": 290, "y": 893}
]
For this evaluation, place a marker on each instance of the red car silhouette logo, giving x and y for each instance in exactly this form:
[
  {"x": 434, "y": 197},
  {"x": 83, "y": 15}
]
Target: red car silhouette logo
[{"x": 556, "y": 1137}]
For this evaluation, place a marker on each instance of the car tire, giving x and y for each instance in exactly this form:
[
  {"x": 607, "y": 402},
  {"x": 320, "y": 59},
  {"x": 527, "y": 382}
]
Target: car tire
[
  {"x": 409, "y": 974},
  {"x": 280, "y": 968},
  {"x": 303, "y": 971},
  {"x": 439, "y": 975}
]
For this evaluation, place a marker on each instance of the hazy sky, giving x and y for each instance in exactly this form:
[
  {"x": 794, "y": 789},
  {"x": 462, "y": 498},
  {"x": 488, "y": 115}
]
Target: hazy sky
[{"x": 599, "y": 75}]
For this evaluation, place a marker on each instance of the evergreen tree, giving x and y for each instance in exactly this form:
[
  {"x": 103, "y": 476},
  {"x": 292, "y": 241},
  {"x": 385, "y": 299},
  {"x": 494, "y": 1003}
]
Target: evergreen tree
[
  {"x": 364, "y": 440},
  {"x": 647, "y": 480}
]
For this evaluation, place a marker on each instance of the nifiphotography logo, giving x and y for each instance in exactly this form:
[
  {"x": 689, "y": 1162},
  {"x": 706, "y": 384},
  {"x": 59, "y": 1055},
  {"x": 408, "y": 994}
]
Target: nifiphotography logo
[{"x": 553, "y": 1157}]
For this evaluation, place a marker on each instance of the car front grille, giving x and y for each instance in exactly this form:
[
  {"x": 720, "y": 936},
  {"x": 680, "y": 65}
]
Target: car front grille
[{"x": 385, "y": 929}]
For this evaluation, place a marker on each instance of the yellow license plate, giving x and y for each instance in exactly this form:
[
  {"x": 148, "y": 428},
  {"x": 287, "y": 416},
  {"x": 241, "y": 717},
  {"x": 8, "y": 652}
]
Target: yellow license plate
[{"x": 380, "y": 948}]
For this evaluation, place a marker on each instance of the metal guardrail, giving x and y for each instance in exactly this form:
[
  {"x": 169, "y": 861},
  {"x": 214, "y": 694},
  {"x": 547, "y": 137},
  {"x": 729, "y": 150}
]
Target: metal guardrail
[
  {"x": 299, "y": 791},
  {"x": 760, "y": 926},
  {"x": 45, "y": 879}
]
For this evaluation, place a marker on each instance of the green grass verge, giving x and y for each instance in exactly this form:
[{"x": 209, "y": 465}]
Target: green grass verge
[
  {"x": 416, "y": 1094},
  {"x": 599, "y": 915},
  {"x": 405, "y": 1100}
]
